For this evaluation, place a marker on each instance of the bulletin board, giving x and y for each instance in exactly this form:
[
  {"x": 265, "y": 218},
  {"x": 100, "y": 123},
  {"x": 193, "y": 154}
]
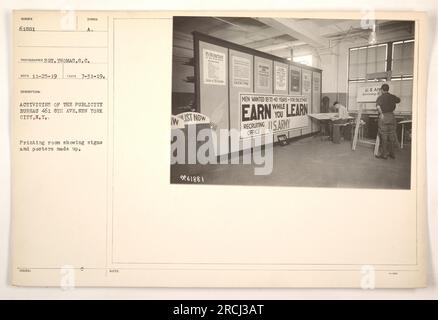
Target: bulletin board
[{"x": 224, "y": 71}]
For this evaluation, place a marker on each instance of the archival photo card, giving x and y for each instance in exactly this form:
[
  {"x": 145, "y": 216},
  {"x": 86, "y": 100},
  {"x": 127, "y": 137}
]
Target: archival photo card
[{"x": 296, "y": 157}]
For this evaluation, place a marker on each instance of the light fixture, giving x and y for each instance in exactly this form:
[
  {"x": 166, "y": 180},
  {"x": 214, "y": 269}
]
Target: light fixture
[{"x": 373, "y": 36}]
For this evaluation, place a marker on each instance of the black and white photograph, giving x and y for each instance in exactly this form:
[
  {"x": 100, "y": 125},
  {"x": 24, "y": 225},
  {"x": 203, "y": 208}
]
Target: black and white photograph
[{"x": 264, "y": 101}]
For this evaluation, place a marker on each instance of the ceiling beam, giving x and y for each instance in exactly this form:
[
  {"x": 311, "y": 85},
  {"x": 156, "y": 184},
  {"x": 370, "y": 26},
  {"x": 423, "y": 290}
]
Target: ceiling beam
[
  {"x": 269, "y": 41},
  {"x": 244, "y": 38},
  {"x": 280, "y": 46},
  {"x": 339, "y": 27},
  {"x": 304, "y": 30}
]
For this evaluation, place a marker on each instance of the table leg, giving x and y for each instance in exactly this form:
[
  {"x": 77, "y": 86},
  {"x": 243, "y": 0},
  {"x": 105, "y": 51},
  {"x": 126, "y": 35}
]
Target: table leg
[
  {"x": 402, "y": 135},
  {"x": 377, "y": 145}
]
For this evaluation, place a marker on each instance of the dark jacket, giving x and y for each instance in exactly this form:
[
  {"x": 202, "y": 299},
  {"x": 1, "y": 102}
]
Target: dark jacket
[{"x": 387, "y": 102}]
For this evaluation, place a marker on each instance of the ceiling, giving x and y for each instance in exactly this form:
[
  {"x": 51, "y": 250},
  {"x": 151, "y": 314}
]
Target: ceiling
[{"x": 279, "y": 35}]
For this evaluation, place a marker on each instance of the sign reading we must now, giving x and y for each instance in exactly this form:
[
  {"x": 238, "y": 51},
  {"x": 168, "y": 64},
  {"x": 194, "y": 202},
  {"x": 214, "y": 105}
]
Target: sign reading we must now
[{"x": 263, "y": 114}]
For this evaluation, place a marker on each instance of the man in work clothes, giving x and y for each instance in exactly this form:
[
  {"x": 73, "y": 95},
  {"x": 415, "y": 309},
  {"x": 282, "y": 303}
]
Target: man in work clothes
[
  {"x": 340, "y": 117},
  {"x": 386, "y": 104}
]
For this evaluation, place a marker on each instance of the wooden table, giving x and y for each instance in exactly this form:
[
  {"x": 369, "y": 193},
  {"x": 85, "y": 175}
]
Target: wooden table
[
  {"x": 403, "y": 123},
  {"x": 325, "y": 117},
  {"x": 322, "y": 118}
]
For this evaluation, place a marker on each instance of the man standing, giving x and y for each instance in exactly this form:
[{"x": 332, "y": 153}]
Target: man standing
[{"x": 386, "y": 104}]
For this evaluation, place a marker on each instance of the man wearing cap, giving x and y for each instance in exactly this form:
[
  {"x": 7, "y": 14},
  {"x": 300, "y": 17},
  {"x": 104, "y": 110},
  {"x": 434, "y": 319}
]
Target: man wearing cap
[{"x": 386, "y": 104}]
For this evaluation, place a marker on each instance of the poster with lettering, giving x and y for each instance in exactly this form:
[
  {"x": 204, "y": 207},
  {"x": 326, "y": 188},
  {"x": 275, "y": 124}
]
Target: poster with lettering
[
  {"x": 264, "y": 75},
  {"x": 262, "y": 114},
  {"x": 368, "y": 92},
  {"x": 241, "y": 72},
  {"x": 192, "y": 118},
  {"x": 280, "y": 78},
  {"x": 295, "y": 80},
  {"x": 316, "y": 83},
  {"x": 307, "y": 82},
  {"x": 214, "y": 65}
]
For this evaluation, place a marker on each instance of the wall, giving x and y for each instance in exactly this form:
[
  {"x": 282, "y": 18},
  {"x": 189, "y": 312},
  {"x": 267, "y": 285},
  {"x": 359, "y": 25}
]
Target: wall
[{"x": 183, "y": 92}]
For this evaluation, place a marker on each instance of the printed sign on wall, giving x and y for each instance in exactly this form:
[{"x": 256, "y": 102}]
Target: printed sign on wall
[
  {"x": 295, "y": 80},
  {"x": 192, "y": 118},
  {"x": 262, "y": 114},
  {"x": 176, "y": 123},
  {"x": 241, "y": 72},
  {"x": 368, "y": 92},
  {"x": 264, "y": 75},
  {"x": 280, "y": 78},
  {"x": 307, "y": 82},
  {"x": 316, "y": 83},
  {"x": 214, "y": 65}
]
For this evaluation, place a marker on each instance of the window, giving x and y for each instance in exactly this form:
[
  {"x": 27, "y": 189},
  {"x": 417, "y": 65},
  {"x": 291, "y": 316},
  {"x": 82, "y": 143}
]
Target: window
[
  {"x": 403, "y": 70},
  {"x": 306, "y": 60},
  {"x": 392, "y": 59},
  {"x": 367, "y": 60},
  {"x": 403, "y": 58}
]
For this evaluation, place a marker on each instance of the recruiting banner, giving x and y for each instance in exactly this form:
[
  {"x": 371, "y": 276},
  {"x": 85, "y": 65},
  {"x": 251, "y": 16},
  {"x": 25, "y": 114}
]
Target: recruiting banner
[
  {"x": 262, "y": 114},
  {"x": 176, "y": 123},
  {"x": 189, "y": 118}
]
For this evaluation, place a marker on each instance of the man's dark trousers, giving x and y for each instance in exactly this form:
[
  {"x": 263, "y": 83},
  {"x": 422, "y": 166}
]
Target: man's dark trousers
[{"x": 387, "y": 127}]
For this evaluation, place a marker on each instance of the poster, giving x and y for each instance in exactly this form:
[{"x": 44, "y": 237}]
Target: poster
[
  {"x": 241, "y": 72},
  {"x": 295, "y": 80},
  {"x": 280, "y": 78},
  {"x": 316, "y": 83},
  {"x": 368, "y": 92},
  {"x": 264, "y": 75},
  {"x": 306, "y": 82},
  {"x": 214, "y": 65},
  {"x": 262, "y": 114}
]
